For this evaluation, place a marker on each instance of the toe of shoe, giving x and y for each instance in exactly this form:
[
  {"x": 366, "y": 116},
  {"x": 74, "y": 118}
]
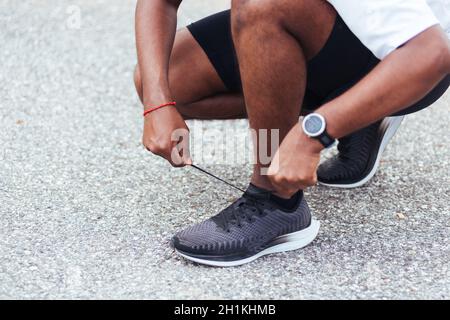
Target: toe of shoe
[
  {"x": 175, "y": 242},
  {"x": 178, "y": 243}
]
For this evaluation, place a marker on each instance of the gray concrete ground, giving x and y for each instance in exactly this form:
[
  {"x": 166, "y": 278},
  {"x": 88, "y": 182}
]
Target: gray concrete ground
[{"x": 85, "y": 212}]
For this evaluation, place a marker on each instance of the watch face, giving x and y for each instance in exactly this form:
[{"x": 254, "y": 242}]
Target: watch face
[{"x": 314, "y": 125}]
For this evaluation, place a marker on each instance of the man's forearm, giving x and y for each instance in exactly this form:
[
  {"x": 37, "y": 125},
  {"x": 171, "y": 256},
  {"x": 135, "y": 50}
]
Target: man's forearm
[
  {"x": 398, "y": 82},
  {"x": 156, "y": 22}
]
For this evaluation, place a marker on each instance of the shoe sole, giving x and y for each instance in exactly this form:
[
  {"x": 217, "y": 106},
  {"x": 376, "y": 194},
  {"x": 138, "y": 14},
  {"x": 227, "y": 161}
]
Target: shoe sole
[
  {"x": 288, "y": 242},
  {"x": 389, "y": 126}
]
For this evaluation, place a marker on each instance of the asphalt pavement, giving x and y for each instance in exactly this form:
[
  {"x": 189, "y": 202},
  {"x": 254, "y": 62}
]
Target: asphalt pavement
[{"x": 86, "y": 212}]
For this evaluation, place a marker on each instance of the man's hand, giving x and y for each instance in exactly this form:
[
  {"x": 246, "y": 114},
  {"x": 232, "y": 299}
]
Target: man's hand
[
  {"x": 294, "y": 166},
  {"x": 167, "y": 135}
]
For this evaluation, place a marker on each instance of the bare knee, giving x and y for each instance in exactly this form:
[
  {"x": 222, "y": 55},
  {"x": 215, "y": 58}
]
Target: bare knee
[
  {"x": 138, "y": 82},
  {"x": 252, "y": 13},
  {"x": 310, "y": 22}
]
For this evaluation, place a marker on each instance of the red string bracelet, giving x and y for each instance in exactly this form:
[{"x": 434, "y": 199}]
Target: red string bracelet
[{"x": 159, "y": 107}]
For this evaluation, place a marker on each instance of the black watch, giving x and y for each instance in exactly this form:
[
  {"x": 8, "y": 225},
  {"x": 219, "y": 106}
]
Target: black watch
[{"x": 315, "y": 126}]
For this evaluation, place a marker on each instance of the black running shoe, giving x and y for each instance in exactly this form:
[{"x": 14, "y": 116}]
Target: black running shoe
[
  {"x": 359, "y": 155},
  {"x": 250, "y": 228}
]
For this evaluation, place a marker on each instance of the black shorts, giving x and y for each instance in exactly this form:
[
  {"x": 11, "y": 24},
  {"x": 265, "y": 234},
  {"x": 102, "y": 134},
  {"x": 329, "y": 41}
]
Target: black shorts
[{"x": 342, "y": 62}]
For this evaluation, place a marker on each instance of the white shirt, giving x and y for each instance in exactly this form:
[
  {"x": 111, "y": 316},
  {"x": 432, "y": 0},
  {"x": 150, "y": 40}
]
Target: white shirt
[{"x": 384, "y": 25}]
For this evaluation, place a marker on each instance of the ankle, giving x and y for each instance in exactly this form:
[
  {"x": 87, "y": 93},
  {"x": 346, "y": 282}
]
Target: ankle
[
  {"x": 262, "y": 182},
  {"x": 290, "y": 203}
]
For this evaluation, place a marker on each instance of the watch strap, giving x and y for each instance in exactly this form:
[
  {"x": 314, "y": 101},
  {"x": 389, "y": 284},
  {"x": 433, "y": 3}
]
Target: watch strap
[{"x": 326, "y": 140}]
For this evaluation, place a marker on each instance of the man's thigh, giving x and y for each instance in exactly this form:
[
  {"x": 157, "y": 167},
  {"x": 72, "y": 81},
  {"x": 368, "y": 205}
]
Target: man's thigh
[
  {"x": 192, "y": 76},
  {"x": 204, "y": 63},
  {"x": 213, "y": 34}
]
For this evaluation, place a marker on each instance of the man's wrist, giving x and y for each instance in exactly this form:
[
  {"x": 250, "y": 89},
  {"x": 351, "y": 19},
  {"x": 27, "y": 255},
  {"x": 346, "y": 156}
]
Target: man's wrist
[
  {"x": 314, "y": 126},
  {"x": 310, "y": 144},
  {"x": 160, "y": 112},
  {"x": 156, "y": 98}
]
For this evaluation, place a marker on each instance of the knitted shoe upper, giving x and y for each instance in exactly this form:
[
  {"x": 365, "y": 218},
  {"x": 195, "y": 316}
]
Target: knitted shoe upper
[
  {"x": 354, "y": 159},
  {"x": 244, "y": 227}
]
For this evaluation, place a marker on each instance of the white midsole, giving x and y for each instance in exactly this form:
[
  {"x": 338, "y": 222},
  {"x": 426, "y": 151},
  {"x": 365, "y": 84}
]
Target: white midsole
[
  {"x": 296, "y": 240},
  {"x": 393, "y": 123}
]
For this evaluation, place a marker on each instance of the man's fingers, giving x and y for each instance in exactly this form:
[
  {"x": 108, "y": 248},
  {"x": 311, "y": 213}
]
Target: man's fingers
[
  {"x": 180, "y": 139},
  {"x": 288, "y": 187},
  {"x": 287, "y": 192},
  {"x": 184, "y": 149},
  {"x": 187, "y": 160},
  {"x": 175, "y": 158}
]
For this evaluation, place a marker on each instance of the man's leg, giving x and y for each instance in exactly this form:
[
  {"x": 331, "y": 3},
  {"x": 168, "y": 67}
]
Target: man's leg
[
  {"x": 198, "y": 89},
  {"x": 274, "y": 40},
  {"x": 274, "y": 56}
]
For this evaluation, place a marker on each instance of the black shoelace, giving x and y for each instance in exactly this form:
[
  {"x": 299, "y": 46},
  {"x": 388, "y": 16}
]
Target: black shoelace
[{"x": 243, "y": 210}]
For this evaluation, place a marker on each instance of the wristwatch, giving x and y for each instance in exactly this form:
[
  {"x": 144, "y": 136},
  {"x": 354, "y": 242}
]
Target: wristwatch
[{"x": 315, "y": 126}]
